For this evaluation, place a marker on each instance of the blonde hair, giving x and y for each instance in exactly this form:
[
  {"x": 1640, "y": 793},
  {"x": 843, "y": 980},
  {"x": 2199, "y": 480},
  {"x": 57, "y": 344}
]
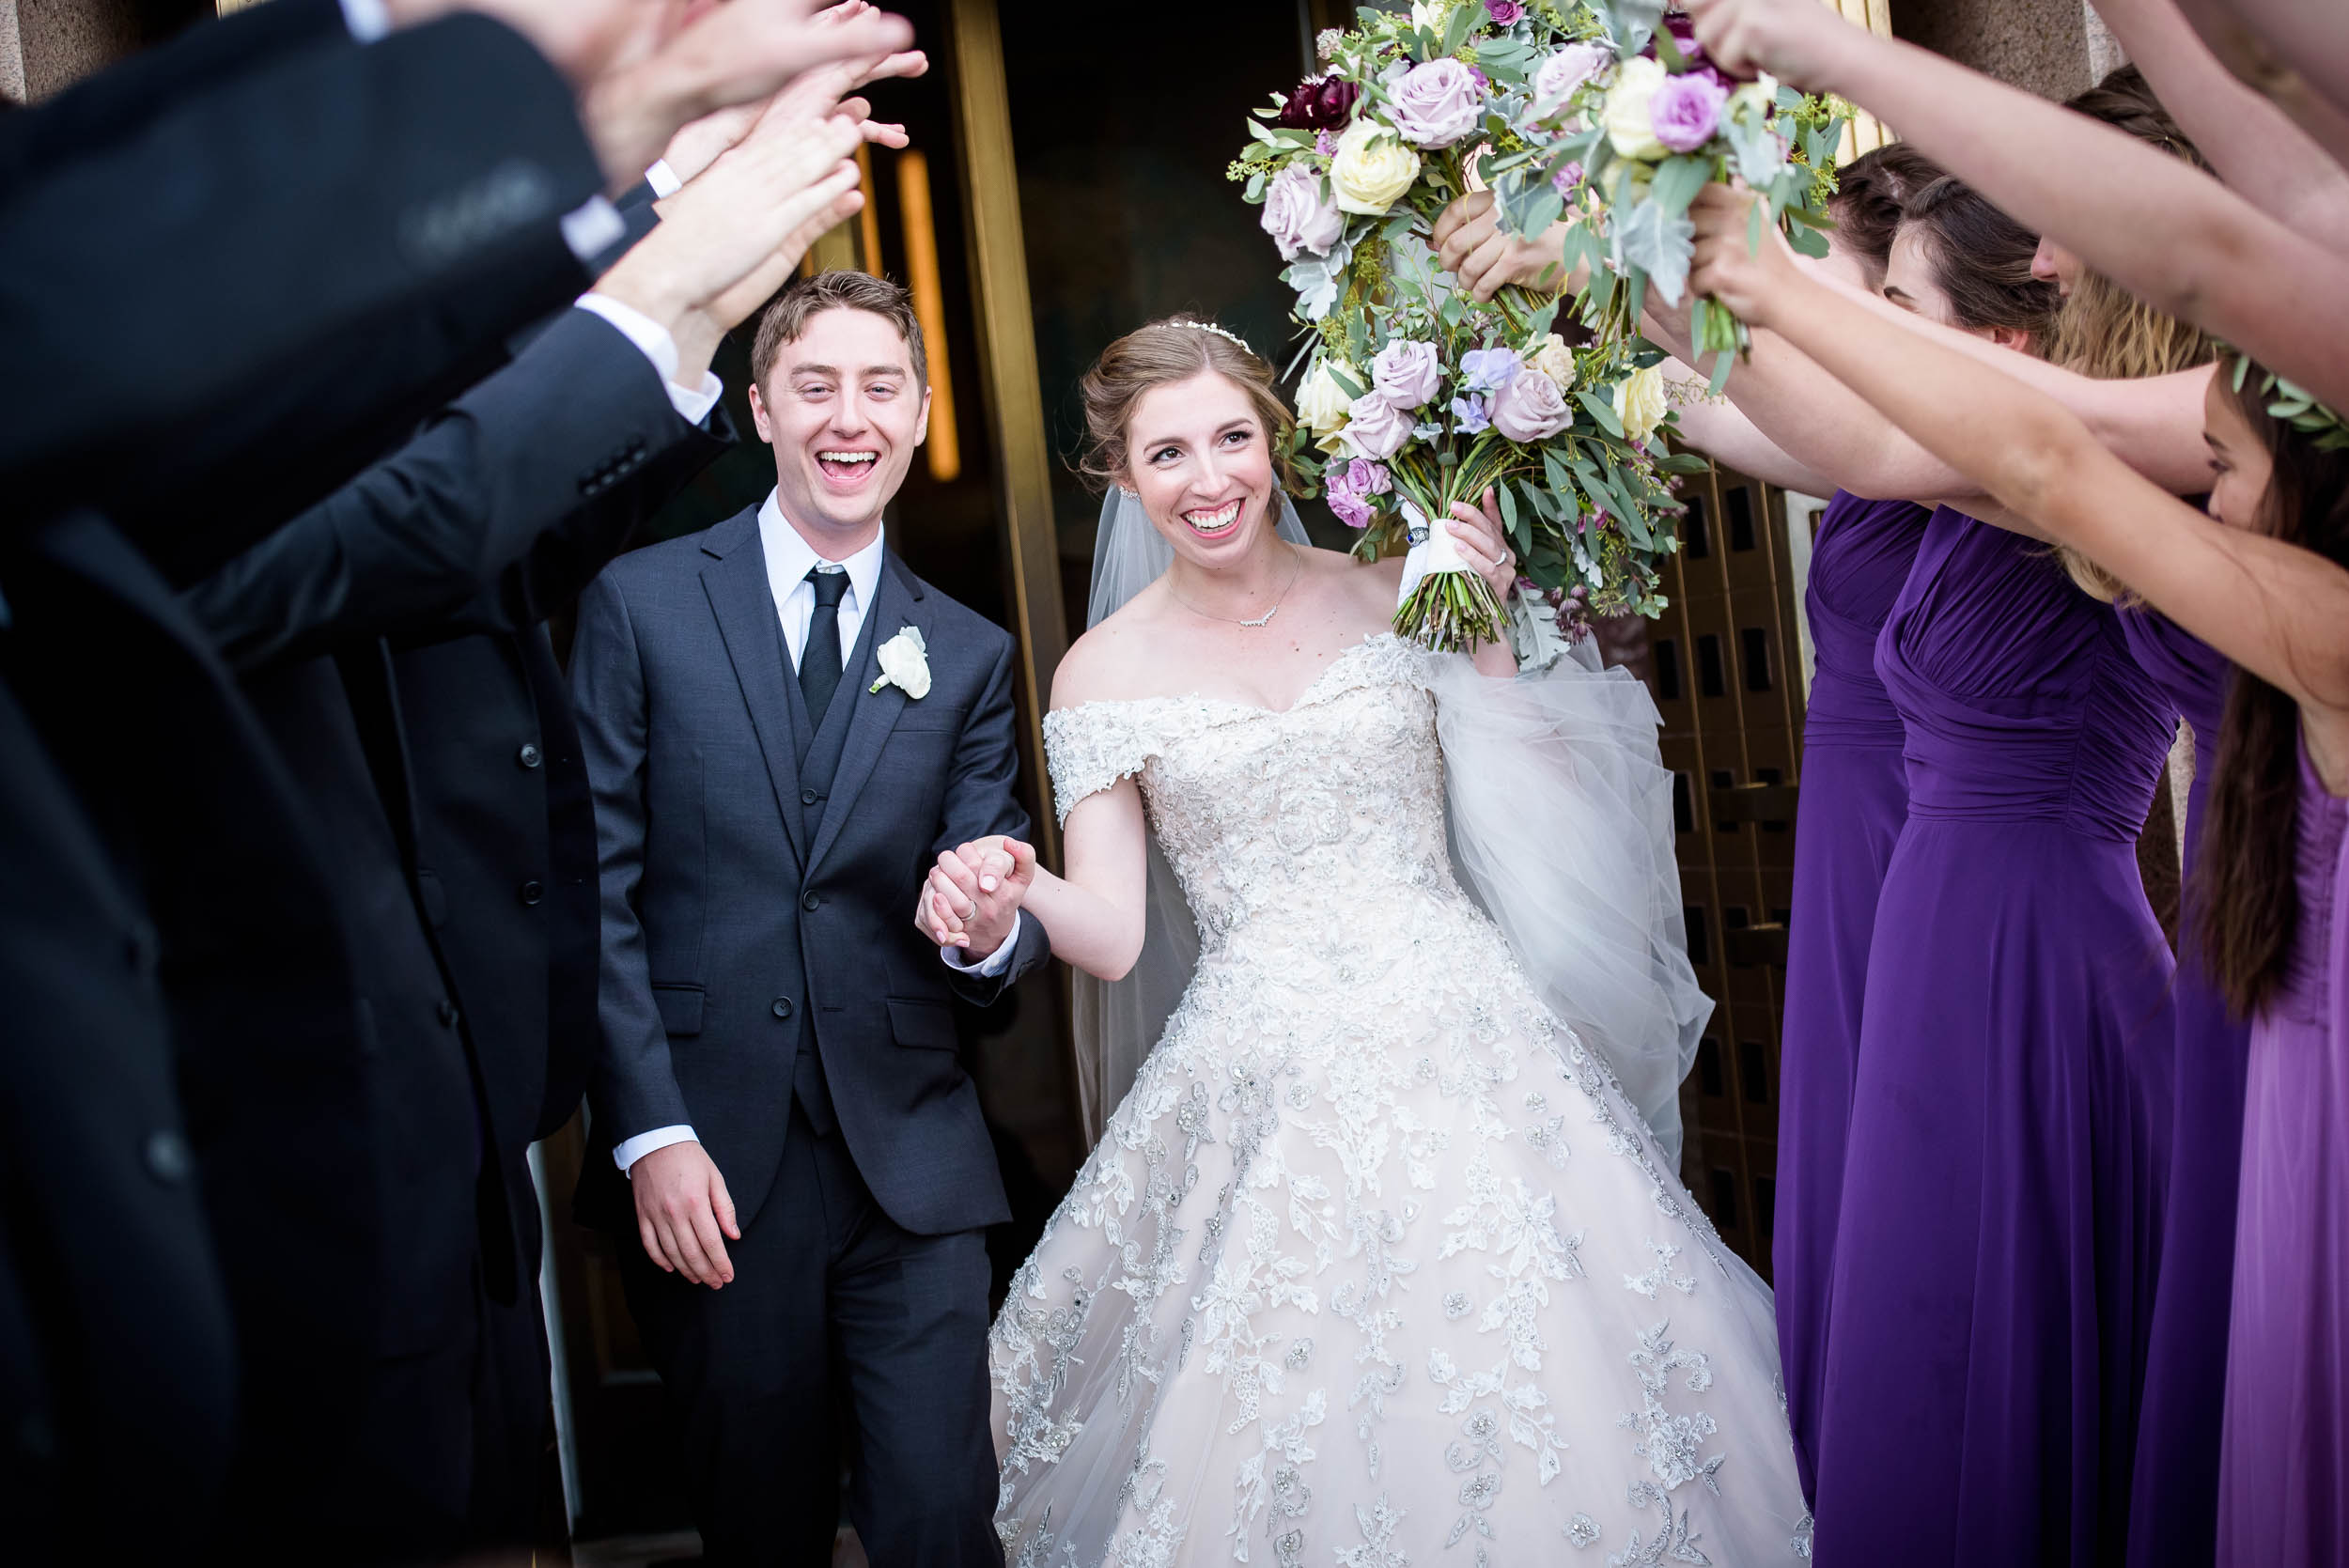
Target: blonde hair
[
  {"x": 1164, "y": 353},
  {"x": 2103, "y": 330}
]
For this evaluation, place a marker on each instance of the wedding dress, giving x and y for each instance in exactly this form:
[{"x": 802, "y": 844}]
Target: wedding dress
[{"x": 1374, "y": 1263}]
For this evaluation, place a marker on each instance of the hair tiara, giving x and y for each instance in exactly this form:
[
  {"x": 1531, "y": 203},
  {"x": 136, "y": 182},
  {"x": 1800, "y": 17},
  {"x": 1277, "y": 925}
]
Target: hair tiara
[{"x": 1208, "y": 327}]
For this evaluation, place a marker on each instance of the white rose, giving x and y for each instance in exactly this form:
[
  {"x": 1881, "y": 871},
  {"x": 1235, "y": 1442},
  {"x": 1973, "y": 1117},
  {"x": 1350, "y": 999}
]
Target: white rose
[
  {"x": 1371, "y": 167},
  {"x": 1552, "y": 358},
  {"x": 1626, "y": 114},
  {"x": 1641, "y": 404},
  {"x": 1321, "y": 403},
  {"x": 904, "y": 662}
]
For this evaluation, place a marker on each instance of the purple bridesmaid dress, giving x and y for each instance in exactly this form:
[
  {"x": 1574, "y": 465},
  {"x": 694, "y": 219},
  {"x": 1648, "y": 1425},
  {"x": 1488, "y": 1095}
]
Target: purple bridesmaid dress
[
  {"x": 2173, "y": 1518},
  {"x": 1854, "y": 798},
  {"x": 2001, "y": 1190},
  {"x": 2284, "y": 1489}
]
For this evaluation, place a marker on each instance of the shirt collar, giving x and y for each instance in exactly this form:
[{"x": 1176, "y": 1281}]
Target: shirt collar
[{"x": 790, "y": 557}]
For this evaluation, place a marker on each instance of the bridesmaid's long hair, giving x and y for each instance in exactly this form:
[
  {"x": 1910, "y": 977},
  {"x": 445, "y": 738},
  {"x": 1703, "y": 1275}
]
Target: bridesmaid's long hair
[
  {"x": 1981, "y": 258},
  {"x": 1871, "y": 191},
  {"x": 2105, "y": 331},
  {"x": 2245, "y": 881}
]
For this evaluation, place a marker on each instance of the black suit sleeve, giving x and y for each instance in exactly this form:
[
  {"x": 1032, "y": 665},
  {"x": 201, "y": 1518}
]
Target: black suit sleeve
[
  {"x": 96, "y": 113},
  {"x": 980, "y": 801},
  {"x": 547, "y": 466},
  {"x": 270, "y": 267}
]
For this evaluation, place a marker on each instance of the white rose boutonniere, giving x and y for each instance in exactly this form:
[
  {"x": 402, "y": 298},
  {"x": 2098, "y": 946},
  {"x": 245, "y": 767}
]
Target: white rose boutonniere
[{"x": 904, "y": 662}]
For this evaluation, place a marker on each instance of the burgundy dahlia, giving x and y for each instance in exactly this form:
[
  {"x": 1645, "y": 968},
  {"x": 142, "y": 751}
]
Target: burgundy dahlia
[{"x": 1322, "y": 104}]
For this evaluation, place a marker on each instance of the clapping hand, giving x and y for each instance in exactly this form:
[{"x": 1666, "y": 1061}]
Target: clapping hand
[
  {"x": 810, "y": 95},
  {"x": 974, "y": 892},
  {"x": 1787, "y": 38}
]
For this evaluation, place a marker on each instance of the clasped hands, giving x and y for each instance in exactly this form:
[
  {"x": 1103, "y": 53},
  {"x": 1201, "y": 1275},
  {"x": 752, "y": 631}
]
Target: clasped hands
[{"x": 974, "y": 892}]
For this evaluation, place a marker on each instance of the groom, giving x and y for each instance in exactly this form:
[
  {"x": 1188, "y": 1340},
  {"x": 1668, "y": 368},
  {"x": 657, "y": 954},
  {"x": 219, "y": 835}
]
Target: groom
[{"x": 785, "y": 729}]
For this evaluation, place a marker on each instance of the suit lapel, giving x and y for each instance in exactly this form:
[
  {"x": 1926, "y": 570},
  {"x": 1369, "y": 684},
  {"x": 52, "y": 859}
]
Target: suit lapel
[
  {"x": 748, "y": 622},
  {"x": 894, "y": 606}
]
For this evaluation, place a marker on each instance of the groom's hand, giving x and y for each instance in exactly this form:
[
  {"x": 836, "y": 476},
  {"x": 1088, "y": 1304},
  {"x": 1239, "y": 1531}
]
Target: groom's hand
[
  {"x": 683, "y": 1213},
  {"x": 974, "y": 891}
]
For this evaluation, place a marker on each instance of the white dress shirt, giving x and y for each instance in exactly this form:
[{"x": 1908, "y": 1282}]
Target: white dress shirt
[
  {"x": 654, "y": 342},
  {"x": 789, "y": 559}
]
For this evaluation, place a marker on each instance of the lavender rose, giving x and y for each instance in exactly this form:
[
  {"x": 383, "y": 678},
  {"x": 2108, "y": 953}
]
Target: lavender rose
[
  {"x": 1345, "y": 502},
  {"x": 1437, "y": 103},
  {"x": 1322, "y": 104},
  {"x": 1687, "y": 110},
  {"x": 1368, "y": 478},
  {"x": 1406, "y": 373},
  {"x": 1562, "y": 75},
  {"x": 1376, "y": 429},
  {"x": 1531, "y": 408},
  {"x": 1298, "y": 216}
]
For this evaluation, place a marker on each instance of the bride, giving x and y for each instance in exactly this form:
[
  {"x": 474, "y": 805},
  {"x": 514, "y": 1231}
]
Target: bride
[{"x": 1380, "y": 1258}]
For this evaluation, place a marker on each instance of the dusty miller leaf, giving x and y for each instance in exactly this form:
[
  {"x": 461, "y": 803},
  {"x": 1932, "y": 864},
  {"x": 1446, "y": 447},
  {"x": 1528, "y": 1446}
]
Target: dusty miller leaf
[{"x": 1659, "y": 243}]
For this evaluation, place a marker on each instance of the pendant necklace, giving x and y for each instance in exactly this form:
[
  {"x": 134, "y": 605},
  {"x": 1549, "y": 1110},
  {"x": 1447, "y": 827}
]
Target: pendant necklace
[{"x": 1264, "y": 619}]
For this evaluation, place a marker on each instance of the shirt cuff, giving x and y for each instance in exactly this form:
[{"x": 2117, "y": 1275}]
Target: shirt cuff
[
  {"x": 593, "y": 228},
  {"x": 651, "y": 338},
  {"x": 693, "y": 404},
  {"x": 368, "y": 20},
  {"x": 662, "y": 179},
  {"x": 994, "y": 963},
  {"x": 643, "y": 1143}
]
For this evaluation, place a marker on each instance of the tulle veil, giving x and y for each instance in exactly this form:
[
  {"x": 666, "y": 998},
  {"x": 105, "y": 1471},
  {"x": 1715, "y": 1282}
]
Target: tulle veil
[{"x": 1558, "y": 811}]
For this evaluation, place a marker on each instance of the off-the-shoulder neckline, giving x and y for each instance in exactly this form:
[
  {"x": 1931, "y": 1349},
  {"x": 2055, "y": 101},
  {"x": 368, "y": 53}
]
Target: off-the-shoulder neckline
[{"x": 1304, "y": 698}]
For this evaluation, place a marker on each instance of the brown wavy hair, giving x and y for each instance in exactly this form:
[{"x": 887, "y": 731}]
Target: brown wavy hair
[
  {"x": 2105, "y": 331},
  {"x": 1981, "y": 258},
  {"x": 1164, "y": 353},
  {"x": 1870, "y": 192},
  {"x": 2245, "y": 885}
]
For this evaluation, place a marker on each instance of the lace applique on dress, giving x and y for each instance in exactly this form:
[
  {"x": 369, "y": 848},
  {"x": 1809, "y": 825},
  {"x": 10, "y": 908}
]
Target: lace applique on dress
[{"x": 1368, "y": 1266}]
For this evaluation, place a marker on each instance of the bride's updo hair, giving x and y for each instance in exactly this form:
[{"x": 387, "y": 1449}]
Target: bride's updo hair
[{"x": 1175, "y": 349}]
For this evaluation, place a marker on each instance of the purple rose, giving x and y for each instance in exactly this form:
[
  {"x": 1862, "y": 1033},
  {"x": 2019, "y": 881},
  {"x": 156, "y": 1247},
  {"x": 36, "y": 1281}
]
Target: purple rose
[
  {"x": 1346, "y": 502},
  {"x": 1469, "y": 414},
  {"x": 1531, "y": 408},
  {"x": 1687, "y": 110},
  {"x": 1299, "y": 215},
  {"x": 1505, "y": 13},
  {"x": 1436, "y": 103},
  {"x": 1406, "y": 373},
  {"x": 1320, "y": 104},
  {"x": 1487, "y": 369},
  {"x": 1376, "y": 429},
  {"x": 1367, "y": 478},
  {"x": 1568, "y": 180},
  {"x": 1562, "y": 75}
]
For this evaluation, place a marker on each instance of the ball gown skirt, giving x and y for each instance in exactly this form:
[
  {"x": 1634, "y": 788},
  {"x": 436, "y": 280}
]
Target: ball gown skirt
[
  {"x": 1991, "y": 1279},
  {"x": 2283, "y": 1500},
  {"x": 1374, "y": 1263},
  {"x": 1853, "y": 801}
]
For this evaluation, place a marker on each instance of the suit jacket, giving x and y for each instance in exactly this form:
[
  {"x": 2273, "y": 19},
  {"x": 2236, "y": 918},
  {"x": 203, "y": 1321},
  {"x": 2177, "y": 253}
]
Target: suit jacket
[
  {"x": 740, "y": 906},
  {"x": 326, "y": 288},
  {"x": 406, "y": 609}
]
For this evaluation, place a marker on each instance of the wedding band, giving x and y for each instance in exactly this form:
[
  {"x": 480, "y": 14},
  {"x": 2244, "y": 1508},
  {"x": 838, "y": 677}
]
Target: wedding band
[{"x": 972, "y": 910}]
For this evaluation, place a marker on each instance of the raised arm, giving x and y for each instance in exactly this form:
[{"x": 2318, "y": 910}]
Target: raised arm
[
  {"x": 2170, "y": 234},
  {"x": 2273, "y": 608},
  {"x": 2247, "y": 140}
]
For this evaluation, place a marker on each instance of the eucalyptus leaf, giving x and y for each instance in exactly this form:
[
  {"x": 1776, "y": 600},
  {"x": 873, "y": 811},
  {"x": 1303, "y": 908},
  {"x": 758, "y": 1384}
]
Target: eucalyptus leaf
[
  {"x": 1807, "y": 241},
  {"x": 1463, "y": 19},
  {"x": 1677, "y": 182},
  {"x": 1603, "y": 411}
]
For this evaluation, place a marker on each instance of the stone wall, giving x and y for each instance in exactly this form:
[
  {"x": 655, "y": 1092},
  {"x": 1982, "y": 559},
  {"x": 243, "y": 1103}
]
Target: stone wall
[
  {"x": 47, "y": 45},
  {"x": 2053, "y": 48}
]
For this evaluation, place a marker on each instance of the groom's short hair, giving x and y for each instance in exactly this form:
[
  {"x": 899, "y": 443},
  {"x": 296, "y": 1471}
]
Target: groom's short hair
[{"x": 786, "y": 316}]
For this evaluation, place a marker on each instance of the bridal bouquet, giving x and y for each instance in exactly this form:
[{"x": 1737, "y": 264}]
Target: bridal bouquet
[
  {"x": 1416, "y": 397},
  {"x": 1623, "y": 127}
]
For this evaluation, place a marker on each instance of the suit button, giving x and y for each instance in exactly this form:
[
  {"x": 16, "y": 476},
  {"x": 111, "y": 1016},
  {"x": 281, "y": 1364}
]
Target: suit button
[
  {"x": 167, "y": 1157},
  {"x": 532, "y": 892},
  {"x": 529, "y": 756},
  {"x": 446, "y": 1013},
  {"x": 783, "y": 1008},
  {"x": 809, "y": 901},
  {"x": 808, "y": 796}
]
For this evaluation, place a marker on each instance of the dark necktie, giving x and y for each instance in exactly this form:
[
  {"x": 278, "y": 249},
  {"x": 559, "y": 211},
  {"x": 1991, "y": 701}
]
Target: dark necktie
[{"x": 819, "y": 660}]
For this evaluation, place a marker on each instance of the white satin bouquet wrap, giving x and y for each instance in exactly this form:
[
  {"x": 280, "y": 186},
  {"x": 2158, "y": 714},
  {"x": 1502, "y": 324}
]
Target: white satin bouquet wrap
[{"x": 1561, "y": 825}]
